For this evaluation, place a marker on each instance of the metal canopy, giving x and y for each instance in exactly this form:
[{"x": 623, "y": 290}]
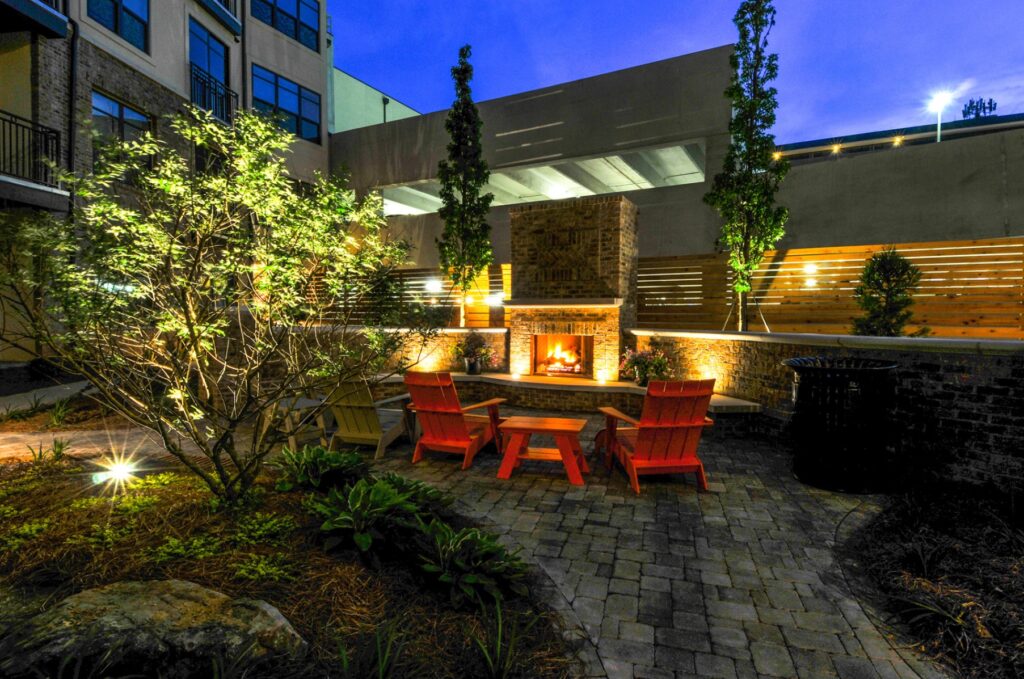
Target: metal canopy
[{"x": 632, "y": 170}]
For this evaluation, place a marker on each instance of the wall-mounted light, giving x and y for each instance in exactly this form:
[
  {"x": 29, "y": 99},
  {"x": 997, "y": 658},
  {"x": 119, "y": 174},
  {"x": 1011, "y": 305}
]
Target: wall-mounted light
[
  {"x": 897, "y": 141},
  {"x": 470, "y": 300},
  {"x": 434, "y": 285},
  {"x": 602, "y": 376},
  {"x": 777, "y": 156},
  {"x": 836, "y": 148},
  {"x": 495, "y": 300}
]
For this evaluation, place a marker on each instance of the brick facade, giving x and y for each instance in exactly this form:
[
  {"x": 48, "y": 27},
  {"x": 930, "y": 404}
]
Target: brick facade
[
  {"x": 956, "y": 409},
  {"x": 438, "y": 352},
  {"x": 563, "y": 251}
]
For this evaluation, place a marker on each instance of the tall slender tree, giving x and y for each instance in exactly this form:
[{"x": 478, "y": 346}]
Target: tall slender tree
[
  {"x": 465, "y": 246},
  {"x": 744, "y": 192}
]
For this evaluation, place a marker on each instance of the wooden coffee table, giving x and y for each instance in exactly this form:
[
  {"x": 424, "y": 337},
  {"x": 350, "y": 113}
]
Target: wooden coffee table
[{"x": 566, "y": 433}]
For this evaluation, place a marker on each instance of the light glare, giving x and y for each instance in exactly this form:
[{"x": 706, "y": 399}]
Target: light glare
[{"x": 940, "y": 101}]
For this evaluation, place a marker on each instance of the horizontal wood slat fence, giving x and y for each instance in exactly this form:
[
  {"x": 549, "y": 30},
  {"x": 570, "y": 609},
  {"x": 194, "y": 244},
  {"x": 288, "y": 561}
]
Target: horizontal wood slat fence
[{"x": 968, "y": 289}]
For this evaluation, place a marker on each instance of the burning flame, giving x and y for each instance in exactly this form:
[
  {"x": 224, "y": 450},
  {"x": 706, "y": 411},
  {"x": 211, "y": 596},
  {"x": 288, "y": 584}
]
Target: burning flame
[{"x": 562, "y": 360}]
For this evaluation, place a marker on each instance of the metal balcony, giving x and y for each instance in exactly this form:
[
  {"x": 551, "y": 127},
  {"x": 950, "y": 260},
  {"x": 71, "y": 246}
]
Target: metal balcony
[
  {"x": 27, "y": 150},
  {"x": 211, "y": 94},
  {"x": 43, "y": 16}
]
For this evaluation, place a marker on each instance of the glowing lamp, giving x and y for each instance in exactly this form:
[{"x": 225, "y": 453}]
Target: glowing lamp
[
  {"x": 602, "y": 376},
  {"x": 812, "y": 282},
  {"x": 494, "y": 300},
  {"x": 118, "y": 471},
  {"x": 777, "y": 155},
  {"x": 938, "y": 104},
  {"x": 810, "y": 269},
  {"x": 434, "y": 286},
  {"x": 515, "y": 376},
  {"x": 898, "y": 141},
  {"x": 470, "y": 300},
  {"x": 836, "y": 148}
]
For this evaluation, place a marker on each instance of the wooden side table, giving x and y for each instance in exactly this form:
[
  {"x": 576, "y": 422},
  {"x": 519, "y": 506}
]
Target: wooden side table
[{"x": 566, "y": 433}]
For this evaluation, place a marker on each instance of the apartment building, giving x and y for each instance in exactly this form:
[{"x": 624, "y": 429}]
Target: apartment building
[{"x": 125, "y": 65}]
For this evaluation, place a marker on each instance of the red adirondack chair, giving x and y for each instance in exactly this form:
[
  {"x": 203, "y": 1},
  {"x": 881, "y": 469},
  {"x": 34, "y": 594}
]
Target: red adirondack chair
[
  {"x": 664, "y": 440},
  {"x": 446, "y": 425}
]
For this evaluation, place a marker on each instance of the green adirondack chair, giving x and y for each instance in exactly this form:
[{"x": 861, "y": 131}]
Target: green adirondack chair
[{"x": 360, "y": 420}]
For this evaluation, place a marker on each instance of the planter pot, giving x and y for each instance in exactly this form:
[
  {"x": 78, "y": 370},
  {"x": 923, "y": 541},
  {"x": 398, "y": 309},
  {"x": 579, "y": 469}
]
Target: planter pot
[{"x": 473, "y": 366}]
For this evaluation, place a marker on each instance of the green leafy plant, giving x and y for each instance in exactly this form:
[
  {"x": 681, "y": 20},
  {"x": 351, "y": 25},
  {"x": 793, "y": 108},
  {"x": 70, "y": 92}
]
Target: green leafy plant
[
  {"x": 198, "y": 547},
  {"x": 101, "y": 536},
  {"x": 59, "y": 412},
  {"x": 744, "y": 191},
  {"x": 464, "y": 248},
  {"x": 367, "y": 512},
  {"x": 150, "y": 310},
  {"x": 428, "y": 499},
  {"x": 470, "y": 562},
  {"x": 644, "y": 366},
  {"x": 474, "y": 347},
  {"x": 387, "y": 647},
  {"x": 263, "y": 568},
  {"x": 24, "y": 532},
  {"x": 134, "y": 504},
  {"x": 7, "y": 512},
  {"x": 499, "y": 641},
  {"x": 160, "y": 480},
  {"x": 54, "y": 453},
  {"x": 315, "y": 467},
  {"x": 264, "y": 528},
  {"x": 885, "y": 294}
]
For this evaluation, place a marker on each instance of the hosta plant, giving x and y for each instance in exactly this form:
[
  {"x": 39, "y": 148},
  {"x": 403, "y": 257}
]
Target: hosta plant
[
  {"x": 429, "y": 500},
  {"x": 471, "y": 563},
  {"x": 368, "y": 512},
  {"x": 318, "y": 468}
]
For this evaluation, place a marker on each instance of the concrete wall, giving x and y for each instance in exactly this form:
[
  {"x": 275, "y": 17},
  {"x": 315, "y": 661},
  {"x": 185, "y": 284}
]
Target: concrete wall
[
  {"x": 357, "y": 104},
  {"x": 673, "y": 100}
]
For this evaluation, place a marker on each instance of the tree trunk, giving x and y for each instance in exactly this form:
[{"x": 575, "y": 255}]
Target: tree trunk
[{"x": 742, "y": 320}]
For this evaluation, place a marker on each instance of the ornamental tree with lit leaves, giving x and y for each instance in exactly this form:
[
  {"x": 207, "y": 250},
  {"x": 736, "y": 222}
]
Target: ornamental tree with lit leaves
[
  {"x": 465, "y": 245},
  {"x": 744, "y": 192},
  {"x": 183, "y": 289}
]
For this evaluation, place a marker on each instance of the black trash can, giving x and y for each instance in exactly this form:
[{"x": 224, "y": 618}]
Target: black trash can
[{"x": 842, "y": 423}]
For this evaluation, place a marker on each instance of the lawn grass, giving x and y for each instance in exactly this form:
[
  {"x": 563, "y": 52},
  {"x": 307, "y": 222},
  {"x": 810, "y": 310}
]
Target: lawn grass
[
  {"x": 949, "y": 561},
  {"x": 61, "y": 534}
]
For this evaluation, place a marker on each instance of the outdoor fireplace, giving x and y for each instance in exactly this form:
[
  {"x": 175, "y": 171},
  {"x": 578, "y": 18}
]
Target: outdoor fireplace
[{"x": 563, "y": 355}]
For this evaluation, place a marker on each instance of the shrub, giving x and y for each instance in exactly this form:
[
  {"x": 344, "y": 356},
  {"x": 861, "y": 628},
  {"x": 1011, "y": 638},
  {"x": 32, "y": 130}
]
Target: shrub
[
  {"x": 428, "y": 499},
  {"x": 885, "y": 294},
  {"x": 133, "y": 504},
  {"x": 315, "y": 467},
  {"x": 199, "y": 547},
  {"x": 261, "y": 568},
  {"x": 264, "y": 528},
  {"x": 644, "y": 366},
  {"x": 366, "y": 511},
  {"x": 21, "y": 534},
  {"x": 470, "y": 562}
]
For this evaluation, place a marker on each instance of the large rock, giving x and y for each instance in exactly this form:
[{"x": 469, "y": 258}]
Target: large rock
[{"x": 172, "y": 628}]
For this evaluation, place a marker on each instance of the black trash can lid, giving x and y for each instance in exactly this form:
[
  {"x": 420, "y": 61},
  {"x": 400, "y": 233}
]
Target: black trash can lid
[{"x": 834, "y": 363}]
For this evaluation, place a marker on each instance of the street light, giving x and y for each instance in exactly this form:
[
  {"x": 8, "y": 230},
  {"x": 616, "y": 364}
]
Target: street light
[{"x": 938, "y": 104}]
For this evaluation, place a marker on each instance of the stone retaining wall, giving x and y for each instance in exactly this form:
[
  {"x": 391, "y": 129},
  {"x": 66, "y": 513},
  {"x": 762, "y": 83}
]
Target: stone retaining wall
[{"x": 959, "y": 403}]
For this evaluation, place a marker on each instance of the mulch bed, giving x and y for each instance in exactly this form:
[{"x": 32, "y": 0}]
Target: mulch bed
[
  {"x": 949, "y": 562},
  {"x": 91, "y": 537},
  {"x": 83, "y": 414}
]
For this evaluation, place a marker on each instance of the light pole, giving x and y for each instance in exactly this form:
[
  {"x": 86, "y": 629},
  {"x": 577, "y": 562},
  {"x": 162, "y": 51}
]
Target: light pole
[{"x": 938, "y": 104}]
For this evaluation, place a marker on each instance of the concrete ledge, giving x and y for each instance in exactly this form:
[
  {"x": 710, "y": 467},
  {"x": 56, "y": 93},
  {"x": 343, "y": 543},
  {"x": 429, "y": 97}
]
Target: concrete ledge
[
  {"x": 719, "y": 403},
  {"x": 930, "y": 344}
]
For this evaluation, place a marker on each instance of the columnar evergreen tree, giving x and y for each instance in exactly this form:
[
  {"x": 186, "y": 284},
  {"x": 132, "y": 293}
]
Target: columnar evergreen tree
[
  {"x": 188, "y": 292},
  {"x": 465, "y": 246},
  {"x": 744, "y": 192}
]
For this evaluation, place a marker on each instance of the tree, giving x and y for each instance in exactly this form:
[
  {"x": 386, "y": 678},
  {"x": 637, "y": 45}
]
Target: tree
[
  {"x": 979, "y": 108},
  {"x": 744, "y": 192},
  {"x": 885, "y": 294},
  {"x": 465, "y": 246},
  {"x": 197, "y": 295}
]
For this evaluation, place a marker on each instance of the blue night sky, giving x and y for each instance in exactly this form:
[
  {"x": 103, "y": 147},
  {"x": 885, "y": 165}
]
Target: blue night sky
[{"x": 847, "y": 66}]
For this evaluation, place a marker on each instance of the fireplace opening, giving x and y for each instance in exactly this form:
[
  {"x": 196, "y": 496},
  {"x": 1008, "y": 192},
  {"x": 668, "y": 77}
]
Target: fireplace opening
[{"x": 563, "y": 355}]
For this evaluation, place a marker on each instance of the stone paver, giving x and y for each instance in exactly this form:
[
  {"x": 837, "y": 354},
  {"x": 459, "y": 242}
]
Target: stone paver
[{"x": 736, "y": 582}]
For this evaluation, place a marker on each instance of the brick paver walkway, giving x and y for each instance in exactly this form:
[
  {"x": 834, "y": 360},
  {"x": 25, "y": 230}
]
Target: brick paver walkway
[{"x": 737, "y": 582}]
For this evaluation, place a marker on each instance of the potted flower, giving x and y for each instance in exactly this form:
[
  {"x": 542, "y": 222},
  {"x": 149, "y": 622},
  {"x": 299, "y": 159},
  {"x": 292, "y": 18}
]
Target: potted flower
[
  {"x": 644, "y": 366},
  {"x": 473, "y": 350}
]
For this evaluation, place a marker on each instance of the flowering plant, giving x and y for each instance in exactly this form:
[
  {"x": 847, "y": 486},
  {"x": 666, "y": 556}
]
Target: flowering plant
[
  {"x": 643, "y": 366},
  {"x": 474, "y": 349}
]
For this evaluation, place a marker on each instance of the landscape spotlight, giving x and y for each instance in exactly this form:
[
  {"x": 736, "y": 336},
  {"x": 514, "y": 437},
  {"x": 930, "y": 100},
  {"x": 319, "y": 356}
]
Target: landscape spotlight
[
  {"x": 940, "y": 101},
  {"x": 119, "y": 470}
]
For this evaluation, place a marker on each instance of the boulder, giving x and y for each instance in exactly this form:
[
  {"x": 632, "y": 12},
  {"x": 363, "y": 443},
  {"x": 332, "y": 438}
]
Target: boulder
[{"x": 169, "y": 628}]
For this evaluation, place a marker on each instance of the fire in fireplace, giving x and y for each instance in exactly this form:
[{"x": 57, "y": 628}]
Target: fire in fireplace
[{"x": 563, "y": 355}]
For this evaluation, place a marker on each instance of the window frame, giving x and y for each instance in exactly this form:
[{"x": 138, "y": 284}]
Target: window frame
[
  {"x": 192, "y": 21},
  {"x": 300, "y": 93},
  {"x": 296, "y": 35},
  {"x": 121, "y": 8},
  {"x": 120, "y": 119}
]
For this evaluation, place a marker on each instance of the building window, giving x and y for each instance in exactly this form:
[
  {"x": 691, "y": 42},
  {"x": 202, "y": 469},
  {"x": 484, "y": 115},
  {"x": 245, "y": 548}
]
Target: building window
[
  {"x": 297, "y": 108},
  {"x": 113, "y": 120},
  {"x": 128, "y": 18},
  {"x": 207, "y": 52},
  {"x": 299, "y": 19}
]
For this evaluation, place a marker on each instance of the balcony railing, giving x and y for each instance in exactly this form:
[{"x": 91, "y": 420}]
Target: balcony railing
[
  {"x": 28, "y": 149},
  {"x": 212, "y": 95}
]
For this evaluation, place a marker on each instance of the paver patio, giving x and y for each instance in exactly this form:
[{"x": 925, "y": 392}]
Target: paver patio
[{"x": 737, "y": 582}]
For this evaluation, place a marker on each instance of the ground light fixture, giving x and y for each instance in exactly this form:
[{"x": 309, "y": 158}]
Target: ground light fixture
[
  {"x": 939, "y": 102},
  {"x": 118, "y": 471}
]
